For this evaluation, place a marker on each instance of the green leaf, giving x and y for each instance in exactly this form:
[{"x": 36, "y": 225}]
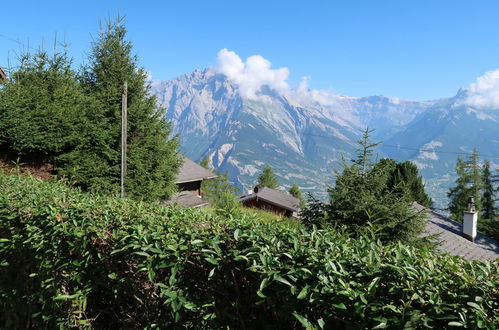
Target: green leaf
[
  {"x": 340, "y": 306},
  {"x": 236, "y": 233},
  {"x": 304, "y": 322},
  {"x": 455, "y": 324},
  {"x": 474, "y": 305},
  {"x": 283, "y": 280},
  {"x": 303, "y": 292}
]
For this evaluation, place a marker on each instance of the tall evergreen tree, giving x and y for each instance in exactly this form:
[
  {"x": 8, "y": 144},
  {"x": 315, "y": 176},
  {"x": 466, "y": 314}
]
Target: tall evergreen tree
[
  {"x": 42, "y": 108},
  {"x": 295, "y": 191},
  {"x": 362, "y": 197},
  {"x": 152, "y": 154},
  {"x": 458, "y": 195},
  {"x": 468, "y": 184},
  {"x": 268, "y": 179},
  {"x": 406, "y": 174},
  {"x": 488, "y": 199}
]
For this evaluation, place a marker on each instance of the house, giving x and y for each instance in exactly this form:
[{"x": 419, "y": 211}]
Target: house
[
  {"x": 459, "y": 239},
  {"x": 189, "y": 179},
  {"x": 271, "y": 200}
]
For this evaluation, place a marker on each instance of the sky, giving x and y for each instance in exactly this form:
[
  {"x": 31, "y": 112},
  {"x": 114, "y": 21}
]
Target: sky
[{"x": 418, "y": 50}]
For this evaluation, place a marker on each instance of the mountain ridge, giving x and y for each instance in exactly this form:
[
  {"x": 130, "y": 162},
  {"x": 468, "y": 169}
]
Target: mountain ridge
[{"x": 303, "y": 134}]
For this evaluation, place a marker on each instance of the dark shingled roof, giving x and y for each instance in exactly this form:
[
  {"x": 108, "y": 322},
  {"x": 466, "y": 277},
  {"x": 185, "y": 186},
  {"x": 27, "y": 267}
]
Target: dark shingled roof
[
  {"x": 186, "y": 199},
  {"x": 274, "y": 197},
  {"x": 451, "y": 241},
  {"x": 191, "y": 171}
]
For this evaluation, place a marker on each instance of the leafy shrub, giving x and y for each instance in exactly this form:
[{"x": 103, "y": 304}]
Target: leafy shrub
[{"x": 70, "y": 259}]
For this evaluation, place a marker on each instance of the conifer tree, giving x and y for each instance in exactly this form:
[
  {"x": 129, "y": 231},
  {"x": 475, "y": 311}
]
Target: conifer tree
[
  {"x": 468, "y": 184},
  {"x": 219, "y": 191},
  {"x": 406, "y": 174},
  {"x": 295, "y": 191},
  {"x": 268, "y": 179},
  {"x": 459, "y": 194},
  {"x": 361, "y": 197},
  {"x": 205, "y": 162},
  {"x": 488, "y": 199},
  {"x": 152, "y": 154},
  {"x": 42, "y": 108}
]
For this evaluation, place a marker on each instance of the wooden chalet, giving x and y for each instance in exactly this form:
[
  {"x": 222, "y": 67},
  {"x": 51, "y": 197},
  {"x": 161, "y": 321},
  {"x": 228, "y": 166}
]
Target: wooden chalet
[
  {"x": 272, "y": 200},
  {"x": 189, "y": 179}
]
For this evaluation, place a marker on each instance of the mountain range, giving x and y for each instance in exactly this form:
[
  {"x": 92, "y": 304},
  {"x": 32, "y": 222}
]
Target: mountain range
[{"x": 305, "y": 134}]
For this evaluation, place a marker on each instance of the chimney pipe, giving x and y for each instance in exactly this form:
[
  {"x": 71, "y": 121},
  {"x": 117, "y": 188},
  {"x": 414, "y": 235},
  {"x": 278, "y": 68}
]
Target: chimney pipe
[{"x": 470, "y": 220}]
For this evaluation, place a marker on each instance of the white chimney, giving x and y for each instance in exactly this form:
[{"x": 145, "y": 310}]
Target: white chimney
[{"x": 470, "y": 220}]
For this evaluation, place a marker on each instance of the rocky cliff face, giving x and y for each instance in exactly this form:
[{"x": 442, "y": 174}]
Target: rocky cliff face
[{"x": 303, "y": 135}]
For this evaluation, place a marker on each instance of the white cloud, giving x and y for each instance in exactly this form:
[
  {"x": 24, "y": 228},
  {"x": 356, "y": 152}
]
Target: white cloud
[
  {"x": 484, "y": 92},
  {"x": 304, "y": 93},
  {"x": 256, "y": 71},
  {"x": 252, "y": 74}
]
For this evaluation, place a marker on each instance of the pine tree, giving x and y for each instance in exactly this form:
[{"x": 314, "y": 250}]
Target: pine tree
[
  {"x": 362, "y": 197},
  {"x": 205, "y": 162},
  {"x": 406, "y": 174},
  {"x": 152, "y": 154},
  {"x": 295, "y": 191},
  {"x": 365, "y": 152},
  {"x": 42, "y": 108},
  {"x": 488, "y": 199},
  {"x": 459, "y": 194},
  {"x": 268, "y": 179},
  {"x": 468, "y": 184}
]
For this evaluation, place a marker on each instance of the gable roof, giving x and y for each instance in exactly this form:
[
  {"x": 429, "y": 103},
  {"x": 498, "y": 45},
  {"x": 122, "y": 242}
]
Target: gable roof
[
  {"x": 452, "y": 242},
  {"x": 275, "y": 197},
  {"x": 190, "y": 171}
]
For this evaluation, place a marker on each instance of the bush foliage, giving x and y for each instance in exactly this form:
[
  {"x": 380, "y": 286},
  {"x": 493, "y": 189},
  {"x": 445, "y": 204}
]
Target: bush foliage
[{"x": 71, "y": 259}]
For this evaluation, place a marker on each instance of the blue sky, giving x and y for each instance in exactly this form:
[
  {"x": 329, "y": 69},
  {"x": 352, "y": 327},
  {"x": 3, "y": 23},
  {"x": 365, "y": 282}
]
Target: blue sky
[{"x": 409, "y": 49}]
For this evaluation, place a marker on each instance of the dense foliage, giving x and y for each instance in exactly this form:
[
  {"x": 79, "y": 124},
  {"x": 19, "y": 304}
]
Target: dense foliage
[
  {"x": 405, "y": 175},
  {"x": 219, "y": 191},
  {"x": 268, "y": 179},
  {"x": 51, "y": 114},
  {"x": 468, "y": 184},
  {"x": 488, "y": 197},
  {"x": 70, "y": 259},
  {"x": 295, "y": 191},
  {"x": 42, "y": 109},
  {"x": 369, "y": 194},
  {"x": 474, "y": 180}
]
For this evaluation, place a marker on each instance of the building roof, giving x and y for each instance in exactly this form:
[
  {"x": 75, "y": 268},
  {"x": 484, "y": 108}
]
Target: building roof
[
  {"x": 452, "y": 242},
  {"x": 186, "y": 199},
  {"x": 191, "y": 171},
  {"x": 274, "y": 197},
  {"x": 3, "y": 76}
]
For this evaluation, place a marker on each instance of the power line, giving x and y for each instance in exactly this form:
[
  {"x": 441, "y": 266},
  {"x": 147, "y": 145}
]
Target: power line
[{"x": 405, "y": 147}]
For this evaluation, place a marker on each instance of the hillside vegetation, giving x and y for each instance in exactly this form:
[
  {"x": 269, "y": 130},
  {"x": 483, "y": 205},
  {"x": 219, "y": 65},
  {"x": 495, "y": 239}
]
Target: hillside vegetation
[{"x": 73, "y": 259}]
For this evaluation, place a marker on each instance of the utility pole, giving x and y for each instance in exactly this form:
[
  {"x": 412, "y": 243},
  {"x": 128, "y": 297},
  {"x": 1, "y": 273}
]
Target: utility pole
[{"x": 123, "y": 136}]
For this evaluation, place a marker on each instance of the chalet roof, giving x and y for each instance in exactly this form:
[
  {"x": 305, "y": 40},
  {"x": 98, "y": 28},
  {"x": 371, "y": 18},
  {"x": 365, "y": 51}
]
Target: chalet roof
[
  {"x": 186, "y": 199},
  {"x": 3, "y": 76},
  {"x": 191, "y": 171},
  {"x": 275, "y": 197},
  {"x": 451, "y": 241}
]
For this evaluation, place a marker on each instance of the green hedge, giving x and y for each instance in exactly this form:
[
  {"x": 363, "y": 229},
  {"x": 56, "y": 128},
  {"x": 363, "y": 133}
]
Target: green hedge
[{"x": 69, "y": 259}]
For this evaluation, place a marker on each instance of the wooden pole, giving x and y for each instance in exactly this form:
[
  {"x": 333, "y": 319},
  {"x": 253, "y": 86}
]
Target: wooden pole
[{"x": 124, "y": 97}]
